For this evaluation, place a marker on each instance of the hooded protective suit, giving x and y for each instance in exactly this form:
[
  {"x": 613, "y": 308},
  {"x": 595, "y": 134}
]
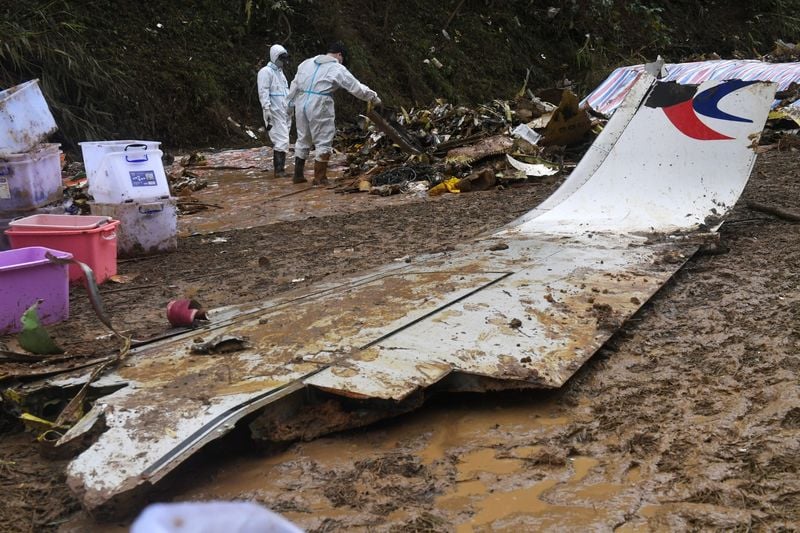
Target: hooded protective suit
[
  {"x": 272, "y": 91},
  {"x": 311, "y": 94}
]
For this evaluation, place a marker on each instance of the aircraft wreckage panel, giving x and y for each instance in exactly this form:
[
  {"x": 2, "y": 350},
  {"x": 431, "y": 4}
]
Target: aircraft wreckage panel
[
  {"x": 535, "y": 325},
  {"x": 173, "y": 392},
  {"x": 524, "y": 307},
  {"x": 395, "y": 335}
]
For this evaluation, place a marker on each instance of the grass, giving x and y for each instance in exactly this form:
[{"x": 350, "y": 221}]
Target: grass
[{"x": 175, "y": 70}]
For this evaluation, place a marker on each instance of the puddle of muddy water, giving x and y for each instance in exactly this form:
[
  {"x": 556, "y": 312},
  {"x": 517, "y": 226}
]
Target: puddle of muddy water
[
  {"x": 493, "y": 506},
  {"x": 485, "y": 460},
  {"x": 582, "y": 466},
  {"x": 488, "y": 447}
]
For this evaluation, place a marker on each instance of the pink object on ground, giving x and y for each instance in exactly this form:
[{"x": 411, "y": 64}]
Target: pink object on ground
[
  {"x": 97, "y": 247},
  {"x": 184, "y": 312},
  {"x": 27, "y": 276}
]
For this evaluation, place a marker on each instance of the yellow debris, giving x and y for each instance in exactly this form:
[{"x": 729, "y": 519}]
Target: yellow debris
[{"x": 448, "y": 185}]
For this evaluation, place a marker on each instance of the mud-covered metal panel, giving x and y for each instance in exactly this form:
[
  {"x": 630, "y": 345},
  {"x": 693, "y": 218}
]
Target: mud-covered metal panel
[
  {"x": 536, "y": 325},
  {"x": 151, "y": 426},
  {"x": 180, "y": 393}
]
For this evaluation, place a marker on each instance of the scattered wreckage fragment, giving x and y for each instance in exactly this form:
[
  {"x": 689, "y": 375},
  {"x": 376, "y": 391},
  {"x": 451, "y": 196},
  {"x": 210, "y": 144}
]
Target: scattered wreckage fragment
[
  {"x": 532, "y": 169},
  {"x": 394, "y": 131},
  {"x": 483, "y": 149},
  {"x": 524, "y": 307}
]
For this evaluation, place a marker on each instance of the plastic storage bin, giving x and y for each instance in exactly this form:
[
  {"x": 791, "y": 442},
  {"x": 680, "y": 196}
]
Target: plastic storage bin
[
  {"x": 97, "y": 247},
  {"x": 133, "y": 172},
  {"x": 7, "y": 218},
  {"x": 147, "y": 227},
  {"x": 94, "y": 151},
  {"x": 31, "y": 179},
  {"x": 27, "y": 276},
  {"x": 25, "y": 119},
  {"x": 47, "y": 222}
]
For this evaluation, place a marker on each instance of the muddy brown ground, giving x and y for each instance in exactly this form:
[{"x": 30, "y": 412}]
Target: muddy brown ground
[{"x": 689, "y": 418}]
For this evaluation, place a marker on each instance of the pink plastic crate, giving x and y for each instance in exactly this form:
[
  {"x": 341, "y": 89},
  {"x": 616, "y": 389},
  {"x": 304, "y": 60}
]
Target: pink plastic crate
[
  {"x": 58, "y": 222},
  {"x": 97, "y": 247},
  {"x": 26, "y": 276}
]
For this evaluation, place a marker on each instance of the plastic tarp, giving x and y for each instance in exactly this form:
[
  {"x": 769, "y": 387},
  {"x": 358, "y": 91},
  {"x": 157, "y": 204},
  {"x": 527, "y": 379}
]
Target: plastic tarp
[{"x": 609, "y": 94}]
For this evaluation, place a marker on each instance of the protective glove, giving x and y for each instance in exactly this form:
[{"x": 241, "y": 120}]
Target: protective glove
[{"x": 376, "y": 101}]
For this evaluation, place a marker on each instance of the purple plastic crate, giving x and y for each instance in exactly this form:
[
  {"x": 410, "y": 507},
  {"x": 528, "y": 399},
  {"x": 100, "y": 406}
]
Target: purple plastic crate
[{"x": 25, "y": 276}]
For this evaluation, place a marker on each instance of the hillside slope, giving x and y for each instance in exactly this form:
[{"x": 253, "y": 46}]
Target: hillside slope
[{"x": 174, "y": 70}]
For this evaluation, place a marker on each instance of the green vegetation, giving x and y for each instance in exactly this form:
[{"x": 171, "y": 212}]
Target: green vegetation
[
  {"x": 175, "y": 70},
  {"x": 47, "y": 42}
]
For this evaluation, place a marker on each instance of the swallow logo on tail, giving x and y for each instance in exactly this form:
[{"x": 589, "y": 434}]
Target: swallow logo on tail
[{"x": 682, "y": 105}]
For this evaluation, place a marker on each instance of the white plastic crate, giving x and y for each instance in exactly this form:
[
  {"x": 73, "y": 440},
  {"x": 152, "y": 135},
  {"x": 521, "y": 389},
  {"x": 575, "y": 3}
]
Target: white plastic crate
[
  {"x": 146, "y": 227},
  {"x": 31, "y": 179},
  {"x": 118, "y": 172},
  {"x": 25, "y": 119}
]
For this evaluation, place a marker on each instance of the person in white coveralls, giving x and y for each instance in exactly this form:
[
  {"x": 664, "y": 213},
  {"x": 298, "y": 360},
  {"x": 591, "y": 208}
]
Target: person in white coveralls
[
  {"x": 272, "y": 92},
  {"x": 311, "y": 94}
]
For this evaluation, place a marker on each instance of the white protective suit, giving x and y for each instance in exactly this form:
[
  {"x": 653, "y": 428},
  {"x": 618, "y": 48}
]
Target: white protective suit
[
  {"x": 311, "y": 94},
  {"x": 272, "y": 90}
]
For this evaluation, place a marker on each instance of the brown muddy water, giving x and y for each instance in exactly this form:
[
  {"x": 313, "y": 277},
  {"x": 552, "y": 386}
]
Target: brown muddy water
[{"x": 475, "y": 456}]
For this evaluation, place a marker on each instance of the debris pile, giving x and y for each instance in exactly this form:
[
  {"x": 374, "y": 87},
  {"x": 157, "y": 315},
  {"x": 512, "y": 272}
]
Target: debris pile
[
  {"x": 76, "y": 189},
  {"x": 784, "y": 53},
  {"x": 182, "y": 181},
  {"x": 463, "y": 146}
]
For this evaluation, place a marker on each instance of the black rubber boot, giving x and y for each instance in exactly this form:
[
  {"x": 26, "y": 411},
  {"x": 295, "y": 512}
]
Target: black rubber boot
[
  {"x": 299, "y": 167},
  {"x": 279, "y": 163}
]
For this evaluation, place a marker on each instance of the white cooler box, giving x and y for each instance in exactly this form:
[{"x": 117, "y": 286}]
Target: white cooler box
[
  {"x": 94, "y": 151},
  {"x": 146, "y": 228},
  {"x": 124, "y": 171}
]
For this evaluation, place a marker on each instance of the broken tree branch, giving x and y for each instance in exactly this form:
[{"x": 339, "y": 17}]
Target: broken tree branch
[
  {"x": 291, "y": 193},
  {"x": 193, "y": 203},
  {"x": 774, "y": 211}
]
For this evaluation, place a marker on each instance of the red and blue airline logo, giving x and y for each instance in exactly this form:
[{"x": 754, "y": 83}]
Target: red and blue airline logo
[{"x": 682, "y": 105}]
